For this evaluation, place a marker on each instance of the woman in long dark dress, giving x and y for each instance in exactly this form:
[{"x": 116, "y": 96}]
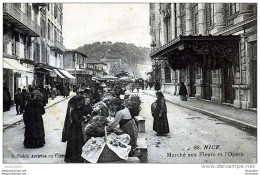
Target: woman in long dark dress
[
  {"x": 183, "y": 92},
  {"x": 72, "y": 131},
  {"x": 6, "y": 99},
  {"x": 159, "y": 112},
  {"x": 157, "y": 86},
  {"x": 34, "y": 129},
  {"x": 65, "y": 91}
]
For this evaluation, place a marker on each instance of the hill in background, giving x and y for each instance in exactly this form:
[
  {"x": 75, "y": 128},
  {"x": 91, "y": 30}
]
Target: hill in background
[{"x": 130, "y": 55}]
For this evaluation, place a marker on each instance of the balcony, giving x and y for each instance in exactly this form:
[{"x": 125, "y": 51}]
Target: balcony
[
  {"x": 20, "y": 20},
  {"x": 58, "y": 47}
]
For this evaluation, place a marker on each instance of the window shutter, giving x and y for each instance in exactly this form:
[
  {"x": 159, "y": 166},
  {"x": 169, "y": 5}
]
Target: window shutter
[
  {"x": 29, "y": 11},
  {"x": 195, "y": 19},
  {"x": 227, "y": 9},
  {"x": 43, "y": 52},
  {"x": 208, "y": 14},
  {"x": 55, "y": 11},
  {"x": 183, "y": 24},
  {"x": 61, "y": 19}
]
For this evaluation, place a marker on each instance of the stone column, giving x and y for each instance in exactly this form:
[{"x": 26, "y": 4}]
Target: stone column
[
  {"x": 178, "y": 11},
  {"x": 245, "y": 11},
  {"x": 188, "y": 10},
  {"x": 202, "y": 18},
  {"x": 173, "y": 21},
  {"x": 219, "y": 18}
]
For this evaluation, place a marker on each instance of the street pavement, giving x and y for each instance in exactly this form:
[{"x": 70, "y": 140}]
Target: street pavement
[
  {"x": 238, "y": 117},
  {"x": 10, "y": 118},
  {"x": 54, "y": 149},
  {"x": 190, "y": 132}
]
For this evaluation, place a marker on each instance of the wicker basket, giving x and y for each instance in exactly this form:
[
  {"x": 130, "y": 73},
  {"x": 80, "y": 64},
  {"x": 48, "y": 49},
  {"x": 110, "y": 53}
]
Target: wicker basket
[{"x": 108, "y": 156}]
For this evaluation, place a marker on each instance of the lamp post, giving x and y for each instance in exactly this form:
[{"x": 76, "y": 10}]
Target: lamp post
[{"x": 75, "y": 76}]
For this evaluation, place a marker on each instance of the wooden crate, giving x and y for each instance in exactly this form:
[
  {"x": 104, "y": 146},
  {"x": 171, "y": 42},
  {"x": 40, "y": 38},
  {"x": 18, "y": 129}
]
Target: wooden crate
[
  {"x": 140, "y": 122},
  {"x": 142, "y": 146}
]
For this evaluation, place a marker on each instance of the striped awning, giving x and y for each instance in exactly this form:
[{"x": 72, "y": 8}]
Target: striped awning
[
  {"x": 59, "y": 74},
  {"x": 15, "y": 65},
  {"x": 67, "y": 74}
]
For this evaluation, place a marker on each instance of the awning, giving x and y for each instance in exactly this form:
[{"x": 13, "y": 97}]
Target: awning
[
  {"x": 80, "y": 71},
  {"x": 209, "y": 52},
  {"x": 15, "y": 65},
  {"x": 43, "y": 68},
  {"x": 8, "y": 66},
  {"x": 57, "y": 72},
  {"x": 67, "y": 74},
  {"x": 108, "y": 78}
]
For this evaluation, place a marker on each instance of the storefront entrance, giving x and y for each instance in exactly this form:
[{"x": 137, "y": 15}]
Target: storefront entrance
[{"x": 192, "y": 82}]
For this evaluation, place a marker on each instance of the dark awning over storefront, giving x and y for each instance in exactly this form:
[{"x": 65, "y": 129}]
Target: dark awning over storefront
[
  {"x": 45, "y": 69},
  {"x": 208, "y": 52}
]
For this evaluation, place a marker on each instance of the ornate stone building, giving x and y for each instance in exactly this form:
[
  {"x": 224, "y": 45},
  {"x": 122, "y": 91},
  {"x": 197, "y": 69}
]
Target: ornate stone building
[
  {"x": 211, "y": 47},
  {"x": 50, "y": 45},
  {"x": 32, "y": 44},
  {"x": 21, "y": 32}
]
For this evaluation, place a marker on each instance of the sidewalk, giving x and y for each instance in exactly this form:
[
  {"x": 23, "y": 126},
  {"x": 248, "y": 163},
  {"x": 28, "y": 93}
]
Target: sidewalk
[
  {"x": 10, "y": 118},
  {"x": 239, "y": 117}
]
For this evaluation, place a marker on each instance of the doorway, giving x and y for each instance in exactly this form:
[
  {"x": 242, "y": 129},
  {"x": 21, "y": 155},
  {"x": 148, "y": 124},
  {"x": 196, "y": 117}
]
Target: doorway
[{"x": 192, "y": 82}]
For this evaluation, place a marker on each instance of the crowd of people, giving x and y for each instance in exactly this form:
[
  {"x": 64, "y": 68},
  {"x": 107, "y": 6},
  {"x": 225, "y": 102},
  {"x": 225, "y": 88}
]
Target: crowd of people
[
  {"x": 89, "y": 111},
  {"x": 96, "y": 105},
  {"x": 22, "y": 95}
]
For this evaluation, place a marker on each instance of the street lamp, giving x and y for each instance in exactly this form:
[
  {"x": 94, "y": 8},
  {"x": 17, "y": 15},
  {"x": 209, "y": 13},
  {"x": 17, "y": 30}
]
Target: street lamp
[{"x": 75, "y": 76}]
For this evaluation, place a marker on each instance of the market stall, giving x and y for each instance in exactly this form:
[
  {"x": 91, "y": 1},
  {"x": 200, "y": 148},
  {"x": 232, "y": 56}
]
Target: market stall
[{"x": 105, "y": 139}]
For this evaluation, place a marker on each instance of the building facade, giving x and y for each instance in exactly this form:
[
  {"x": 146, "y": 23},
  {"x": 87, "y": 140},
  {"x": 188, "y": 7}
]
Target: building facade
[
  {"x": 50, "y": 45},
  {"x": 100, "y": 69},
  {"x": 21, "y": 31},
  {"x": 211, "y": 47},
  {"x": 76, "y": 63},
  {"x": 32, "y": 44}
]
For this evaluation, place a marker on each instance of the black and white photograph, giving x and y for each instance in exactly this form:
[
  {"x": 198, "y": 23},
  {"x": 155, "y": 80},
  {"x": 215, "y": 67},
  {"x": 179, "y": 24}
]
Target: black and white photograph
[{"x": 130, "y": 83}]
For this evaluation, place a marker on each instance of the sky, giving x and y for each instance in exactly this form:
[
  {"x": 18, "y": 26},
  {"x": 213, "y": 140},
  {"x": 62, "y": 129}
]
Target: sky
[{"x": 88, "y": 23}]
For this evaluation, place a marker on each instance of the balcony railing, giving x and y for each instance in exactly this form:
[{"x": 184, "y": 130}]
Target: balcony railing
[
  {"x": 58, "y": 46},
  {"x": 20, "y": 20}
]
